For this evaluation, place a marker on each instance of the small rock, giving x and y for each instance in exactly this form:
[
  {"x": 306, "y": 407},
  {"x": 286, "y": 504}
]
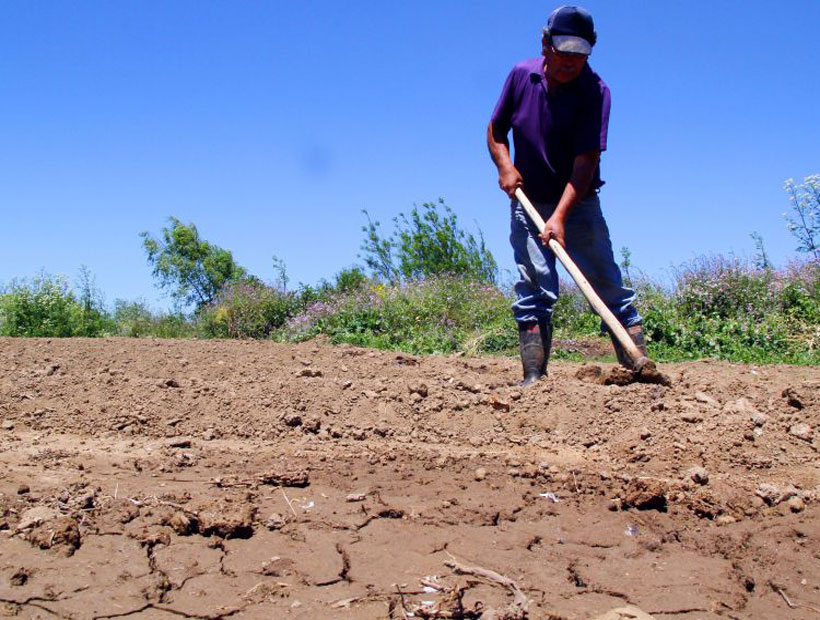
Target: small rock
[
  {"x": 182, "y": 524},
  {"x": 309, "y": 372},
  {"x": 7, "y": 425},
  {"x": 311, "y": 425},
  {"x": 499, "y": 404},
  {"x": 210, "y": 434},
  {"x": 796, "y": 504},
  {"x": 480, "y": 474},
  {"x": 769, "y": 493},
  {"x": 51, "y": 369},
  {"x": 169, "y": 383},
  {"x": 759, "y": 419},
  {"x": 418, "y": 388},
  {"x": 629, "y": 612},
  {"x": 529, "y": 470},
  {"x": 20, "y": 577},
  {"x": 725, "y": 520},
  {"x": 698, "y": 475},
  {"x": 23, "y": 489},
  {"x": 293, "y": 420},
  {"x": 180, "y": 442},
  {"x": 741, "y": 405},
  {"x": 356, "y": 497},
  {"x": 704, "y": 398},
  {"x": 802, "y": 431},
  {"x": 35, "y": 516},
  {"x": 691, "y": 416},
  {"x": 645, "y": 433},
  {"x": 295, "y": 478},
  {"x": 275, "y": 522},
  {"x": 793, "y": 398}
]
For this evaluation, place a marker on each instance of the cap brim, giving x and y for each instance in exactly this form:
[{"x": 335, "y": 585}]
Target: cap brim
[{"x": 571, "y": 44}]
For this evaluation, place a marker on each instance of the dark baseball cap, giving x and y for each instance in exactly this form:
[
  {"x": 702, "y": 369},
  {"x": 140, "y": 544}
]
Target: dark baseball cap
[{"x": 571, "y": 30}]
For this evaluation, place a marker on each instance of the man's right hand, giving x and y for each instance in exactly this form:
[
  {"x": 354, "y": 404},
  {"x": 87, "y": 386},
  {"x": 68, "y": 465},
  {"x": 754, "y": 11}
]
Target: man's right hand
[{"x": 510, "y": 180}]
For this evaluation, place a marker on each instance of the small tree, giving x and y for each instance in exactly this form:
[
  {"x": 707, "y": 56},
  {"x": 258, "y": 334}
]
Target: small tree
[
  {"x": 761, "y": 257},
  {"x": 94, "y": 320},
  {"x": 427, "y": 242},
  {"x": 193, "y": 270},
  {"x": 626, "y": 263},
  {"x": 805, "y": 199}
]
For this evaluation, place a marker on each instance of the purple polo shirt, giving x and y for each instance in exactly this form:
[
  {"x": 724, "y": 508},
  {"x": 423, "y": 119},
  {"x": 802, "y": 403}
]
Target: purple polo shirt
[{"x": 549, "y": 130}]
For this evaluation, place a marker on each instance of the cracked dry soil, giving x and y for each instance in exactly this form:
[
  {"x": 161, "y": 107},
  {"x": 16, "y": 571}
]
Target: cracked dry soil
[{"x": 166, "y": 479}]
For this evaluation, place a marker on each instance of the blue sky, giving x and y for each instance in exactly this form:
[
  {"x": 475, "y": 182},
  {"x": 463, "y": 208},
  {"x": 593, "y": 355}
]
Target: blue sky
[{"x": 271, "y": 125}]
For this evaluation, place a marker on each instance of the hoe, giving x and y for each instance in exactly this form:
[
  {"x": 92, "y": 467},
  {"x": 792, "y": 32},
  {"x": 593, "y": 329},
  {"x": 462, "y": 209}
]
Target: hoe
[{"x": 644, "y": 368}]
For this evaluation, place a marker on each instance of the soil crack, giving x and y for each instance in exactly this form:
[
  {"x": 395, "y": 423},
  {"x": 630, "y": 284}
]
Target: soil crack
[
  {"x": 32, "y": 602},
  {"x": 343, "y": 574}
]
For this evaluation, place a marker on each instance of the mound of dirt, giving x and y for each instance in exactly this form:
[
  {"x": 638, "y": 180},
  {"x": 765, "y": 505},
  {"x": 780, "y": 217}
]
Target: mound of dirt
[{"x": 207, "y": 479}]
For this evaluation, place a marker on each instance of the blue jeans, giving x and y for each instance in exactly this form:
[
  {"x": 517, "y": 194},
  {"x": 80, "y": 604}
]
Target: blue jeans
[{"x": 587, "y": 243}]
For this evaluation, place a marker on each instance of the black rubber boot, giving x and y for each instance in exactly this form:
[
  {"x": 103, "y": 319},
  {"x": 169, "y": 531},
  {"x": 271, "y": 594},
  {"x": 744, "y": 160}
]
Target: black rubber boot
[
  {"x": 535, "y": 341},
  {"x": 636, "y": 333}
]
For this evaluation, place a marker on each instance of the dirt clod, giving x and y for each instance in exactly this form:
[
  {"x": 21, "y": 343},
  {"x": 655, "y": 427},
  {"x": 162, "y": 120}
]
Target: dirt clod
[
  {"x": 646, "y": 494},
  {"x": 62, "y": 532}
]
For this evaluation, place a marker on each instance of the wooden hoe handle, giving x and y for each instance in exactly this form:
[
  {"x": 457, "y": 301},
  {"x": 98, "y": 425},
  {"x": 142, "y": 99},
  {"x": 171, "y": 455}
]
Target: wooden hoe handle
[{"x": 586, "y": 288}]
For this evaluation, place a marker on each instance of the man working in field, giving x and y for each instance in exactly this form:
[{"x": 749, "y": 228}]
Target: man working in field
[{"x": 558, "y": 110}]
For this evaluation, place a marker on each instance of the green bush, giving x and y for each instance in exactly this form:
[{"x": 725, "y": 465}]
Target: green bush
[
  {"x": 46, "y": 306},
  {"x": 134, "y": 319},
  {"x": 572, "y": 316},
  {"x": 247, "y": 310},
  {"x": 434, "y": 315},
  {"x": 729, "y": 309}
]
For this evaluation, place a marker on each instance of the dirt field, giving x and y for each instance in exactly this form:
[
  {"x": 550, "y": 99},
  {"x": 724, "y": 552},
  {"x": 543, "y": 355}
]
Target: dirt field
[{"x": 159, "y": 479}]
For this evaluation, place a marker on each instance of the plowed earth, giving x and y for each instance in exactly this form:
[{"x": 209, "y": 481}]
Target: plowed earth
[{"x": 167, "y": 479}]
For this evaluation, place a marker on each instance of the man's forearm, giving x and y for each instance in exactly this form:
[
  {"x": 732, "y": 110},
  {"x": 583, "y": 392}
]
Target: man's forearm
[
  {"x": 583, "y": 171},
  {"x": 508, "y": 177},
  {"x": 499, "y": 148}
]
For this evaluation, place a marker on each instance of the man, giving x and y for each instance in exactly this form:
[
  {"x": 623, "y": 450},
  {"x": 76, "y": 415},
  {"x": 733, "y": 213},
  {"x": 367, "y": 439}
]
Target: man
[{"x": 558, "y": 110}]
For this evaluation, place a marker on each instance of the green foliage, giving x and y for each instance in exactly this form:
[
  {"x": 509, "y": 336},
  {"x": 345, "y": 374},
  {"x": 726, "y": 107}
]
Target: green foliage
[
  {"x": 135, "y": 320},
  {"x": 626, "y": 263},
  {"x": 247, "y": 310},
  {"x": 191, "y": 269},
  {"x": 350, "y": 280},
  {"x": 761, "y": 259},
  {"x": 572, "y": 317},
  {"x": 435, "y": 315},
  {"x": 729, "y": 309},
  {"x": 722, "y": 288},
  {"x": 805, "y": 224},
  {"x": 46, "y": 306},
  {"x": 427, "y": 243},
  {"x": 93, "y": 319}
]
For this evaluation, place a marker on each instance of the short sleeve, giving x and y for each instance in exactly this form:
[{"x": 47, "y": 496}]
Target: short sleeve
[
  {"x": 592, "y": 124},
  {"x": 503, "y": 112}
]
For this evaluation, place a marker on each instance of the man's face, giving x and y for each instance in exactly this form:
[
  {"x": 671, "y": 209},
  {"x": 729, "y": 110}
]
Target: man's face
[{"x": 562, "y": 67}]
